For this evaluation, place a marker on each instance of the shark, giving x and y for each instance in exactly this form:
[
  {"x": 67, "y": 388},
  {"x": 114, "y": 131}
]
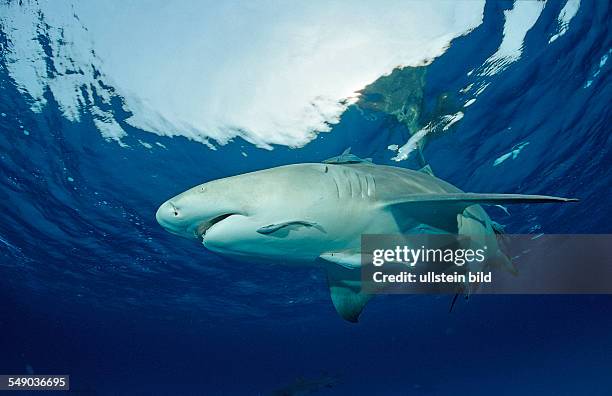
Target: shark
[
  {"x": 314, "y": 214},
  {"x": 304, "y": 386}
]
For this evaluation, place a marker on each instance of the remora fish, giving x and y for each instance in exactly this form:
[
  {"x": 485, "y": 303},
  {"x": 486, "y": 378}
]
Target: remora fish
[{"x": 315, "y": 214}]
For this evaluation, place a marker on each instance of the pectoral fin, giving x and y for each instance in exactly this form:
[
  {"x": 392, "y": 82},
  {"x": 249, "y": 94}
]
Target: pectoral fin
[
  {"x": 346, "y": 294},
  {"x": 467, "y": 199},
  {"x": 270, "y": 228},
  {"x": 437, "y": 209},
  {"x": 452, "y": 204}
]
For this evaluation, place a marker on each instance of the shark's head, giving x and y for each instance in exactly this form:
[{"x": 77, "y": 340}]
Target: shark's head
[
  {"x": 261, "y": 214},
  {"x": 193, "y": 213}
]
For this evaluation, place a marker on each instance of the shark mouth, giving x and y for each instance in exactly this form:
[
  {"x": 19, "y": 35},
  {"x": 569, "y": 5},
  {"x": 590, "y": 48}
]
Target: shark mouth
[{"x": 206, "y": 225}]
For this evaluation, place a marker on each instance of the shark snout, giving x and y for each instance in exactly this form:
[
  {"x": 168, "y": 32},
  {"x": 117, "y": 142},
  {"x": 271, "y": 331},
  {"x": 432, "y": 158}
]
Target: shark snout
[
  {"x": 172, "y": 219},
  {"x": 187, "y": 222},
  {"x": 167, "y": 214},
  {"x": 176, "y": 220}
]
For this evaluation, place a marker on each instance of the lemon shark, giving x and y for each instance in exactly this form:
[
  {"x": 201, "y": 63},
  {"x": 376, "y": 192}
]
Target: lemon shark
[{"x": 315, "y": 214}]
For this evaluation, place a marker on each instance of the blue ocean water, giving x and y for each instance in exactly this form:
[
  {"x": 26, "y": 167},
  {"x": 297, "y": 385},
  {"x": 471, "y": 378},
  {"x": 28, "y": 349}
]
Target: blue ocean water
[{"x": 91, "y": 286}]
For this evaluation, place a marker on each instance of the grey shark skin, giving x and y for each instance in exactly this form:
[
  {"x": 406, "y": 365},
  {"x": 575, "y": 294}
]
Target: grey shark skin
[{"x": 315, "y": 214}]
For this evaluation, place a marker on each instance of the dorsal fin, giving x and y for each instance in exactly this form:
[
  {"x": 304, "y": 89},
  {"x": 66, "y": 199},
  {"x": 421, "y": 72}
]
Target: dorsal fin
[
  {"x": 346, "y": 158},
  {"x": 427, "y": 169}
]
